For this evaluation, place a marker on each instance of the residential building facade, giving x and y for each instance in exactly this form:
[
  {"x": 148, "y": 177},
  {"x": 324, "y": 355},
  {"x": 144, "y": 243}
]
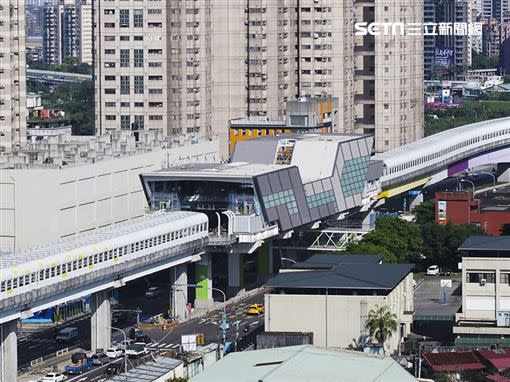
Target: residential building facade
[
  {"x": 213, "y": 61},
  {"x": 12, "y": 76},
  {"x": 67, "y": 31},
  {"x": 458, "y": 47}
]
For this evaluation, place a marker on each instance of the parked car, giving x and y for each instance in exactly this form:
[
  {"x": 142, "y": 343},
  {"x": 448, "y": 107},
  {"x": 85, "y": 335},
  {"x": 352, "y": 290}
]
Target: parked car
[
  {"x": 67, "y": 335},
  {"x": 433, "y": 270},
  {"x": 53, "y": 377},
  {"x": 153, "y": 292},
  {"x": 113, "y": 369},
  {"x": 115, "y": 352},
  {"x": 100, "y": 359},
  {"x": 255, "y": 309},
  {"x": 446, "y": 272}
]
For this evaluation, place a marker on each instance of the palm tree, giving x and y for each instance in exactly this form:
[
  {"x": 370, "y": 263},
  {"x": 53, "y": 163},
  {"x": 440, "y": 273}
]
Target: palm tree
[{"x": 381, "y": 323}]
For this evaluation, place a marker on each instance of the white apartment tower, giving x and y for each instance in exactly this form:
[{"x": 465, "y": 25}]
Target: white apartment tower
[
  {"x": 12, "y": 75},
  {"x": 201, "y": 63},
  {"x": 67, "y": 31}
]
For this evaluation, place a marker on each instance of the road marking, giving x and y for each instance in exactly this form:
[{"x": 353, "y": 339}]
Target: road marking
[
  {"x": 82, "y": 379},
  {"x": 254, "y": 323},
  {"x": 202, "y": 320},
  {"x": 161, "y": 345},
  {"x": 175, "y": 346},
  {"x": 168, "y": 346}
]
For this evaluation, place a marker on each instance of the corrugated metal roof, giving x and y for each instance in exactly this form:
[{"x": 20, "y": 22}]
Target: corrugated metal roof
[
  {"x": 90, "y": 238},
  {"x": 454, "y": 362},
  {"x": 150, "y": 371},
  {"x": 302, "y": 364}
]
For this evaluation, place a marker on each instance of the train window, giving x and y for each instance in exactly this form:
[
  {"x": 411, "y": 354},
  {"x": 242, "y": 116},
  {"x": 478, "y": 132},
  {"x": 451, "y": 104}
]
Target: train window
[
  {"x": 96, "y": 258},
  {"x": 2, "y": 286},
  {"x": 21, "y": 281},
  {"x": 14, "y": 283},
  {"x": 159, "y": 239},
  {"x": 132, "y": 247},
  {"x": 58, "y": 270},
  {"x": 27, "y": 279},
  {"x": 32, "y": 277},
  {"x": 52, "y": 271},
  {"x": 9, "y": 284},
  {"x": 74, "y": 265}
]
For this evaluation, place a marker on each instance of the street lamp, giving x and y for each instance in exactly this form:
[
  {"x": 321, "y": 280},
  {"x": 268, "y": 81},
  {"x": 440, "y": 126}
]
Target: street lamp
[
  {"x": 125, "y": 342},
  {"x": 493, "y": 179},
  {"x": 468, "y": 181}
]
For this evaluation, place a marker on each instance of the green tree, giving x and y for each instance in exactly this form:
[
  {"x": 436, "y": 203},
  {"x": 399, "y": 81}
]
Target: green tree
[
  {"x": 363, "y": 248},
  {"x": 397, "y": 240},
  {"x": 381, "y": 323},
  {"x": 425, "y": 212},
  {"x": 443, "y": 242},
  {"x": 505, "y": 230}
]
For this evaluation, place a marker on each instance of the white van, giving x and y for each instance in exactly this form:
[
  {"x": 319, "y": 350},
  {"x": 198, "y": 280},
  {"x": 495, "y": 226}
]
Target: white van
[{"x": 67, "y": 334}]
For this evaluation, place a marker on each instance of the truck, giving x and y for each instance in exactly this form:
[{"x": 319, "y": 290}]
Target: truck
[
  {"x": 80, "y": 364},
  {"x": 136, "y": 350},
  {"x": 67, "y": 335}
]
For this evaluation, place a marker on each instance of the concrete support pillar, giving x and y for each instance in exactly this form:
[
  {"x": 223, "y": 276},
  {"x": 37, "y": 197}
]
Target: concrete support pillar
[
  {"x": 265, "y": 262},
  {"x": 178, "y": 279},
  {"x": 8, "y": 352},
  {"x": 416, "y": 201},
  {"x": 100, "y": 321},
  {"x": 504, "y": 170},
  {"x": 203, "y": 277},
  {"x": 235, "y": 273}
]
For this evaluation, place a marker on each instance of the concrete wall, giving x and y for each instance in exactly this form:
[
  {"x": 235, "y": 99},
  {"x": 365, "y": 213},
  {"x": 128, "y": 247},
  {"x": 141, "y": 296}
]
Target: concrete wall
[
  {"x": 335, "y": 321},
  {"x": 43, "y": 205}
]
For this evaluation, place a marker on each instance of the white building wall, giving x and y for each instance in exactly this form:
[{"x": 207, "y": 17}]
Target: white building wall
[
  {"x": 336, "y": 321},
  {"x": 43, "y": 205}
]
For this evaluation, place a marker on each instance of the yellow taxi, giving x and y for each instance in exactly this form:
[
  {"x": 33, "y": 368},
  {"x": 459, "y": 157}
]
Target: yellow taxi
[{"x": 255, "y": 309}]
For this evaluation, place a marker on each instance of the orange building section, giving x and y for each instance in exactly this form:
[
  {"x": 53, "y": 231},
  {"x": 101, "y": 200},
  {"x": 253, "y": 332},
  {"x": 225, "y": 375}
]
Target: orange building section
[{"x": 242, "y": 130}]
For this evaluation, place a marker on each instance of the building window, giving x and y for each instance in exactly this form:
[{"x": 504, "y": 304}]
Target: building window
[
  {"x": 138, "y": 84},
  {"x": 477, "y": 277},
  {"x": 124, "y": 84},
  {"x": 138, "y": 58},
  {"x": 124, "y": 58},
  {"x": 139, "y": 122},
  {"x": 138, "y": 18},
  {"x": 124, "y": 122},
  {"x": 110, "y": 117},
  {"x": 353, "y": 175},
  {"x": 124, "y": 18},
  {"x": 124, "y": 38}
]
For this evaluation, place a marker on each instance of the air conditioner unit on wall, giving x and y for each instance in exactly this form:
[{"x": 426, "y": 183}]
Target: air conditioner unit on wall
[
  {"x": 483, "y": 282},
  {"x": 503, "y": 318}
]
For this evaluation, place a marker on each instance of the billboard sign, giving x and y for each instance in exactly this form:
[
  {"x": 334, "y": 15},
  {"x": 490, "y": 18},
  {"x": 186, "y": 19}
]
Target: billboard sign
[
  {"x": 441, "y": 211},
  {"x": 189, "y": 342},
  {"x": 443, "y": 56}
]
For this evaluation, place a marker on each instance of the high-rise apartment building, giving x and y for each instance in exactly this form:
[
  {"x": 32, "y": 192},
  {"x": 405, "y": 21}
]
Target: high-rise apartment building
[
  {"x": 494, "y": 9},
  {"x": 12, "y": 75},
  {"x": 67, "y": 31},
  {"x": 442, "y": 53},
  {"x": 191, "y": 66}
]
